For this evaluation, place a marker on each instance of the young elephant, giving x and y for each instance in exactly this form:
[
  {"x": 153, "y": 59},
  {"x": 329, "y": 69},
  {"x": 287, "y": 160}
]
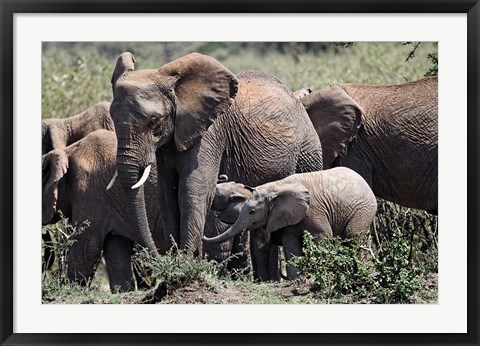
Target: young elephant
[{"x": 334, "y": 202}]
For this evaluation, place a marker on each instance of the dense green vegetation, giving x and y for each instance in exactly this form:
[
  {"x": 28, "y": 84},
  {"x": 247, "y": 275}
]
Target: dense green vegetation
[{"x": 395, "y": 263}]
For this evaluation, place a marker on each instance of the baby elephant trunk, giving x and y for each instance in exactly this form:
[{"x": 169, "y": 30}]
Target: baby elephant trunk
[{"x": 235, "y": 229}]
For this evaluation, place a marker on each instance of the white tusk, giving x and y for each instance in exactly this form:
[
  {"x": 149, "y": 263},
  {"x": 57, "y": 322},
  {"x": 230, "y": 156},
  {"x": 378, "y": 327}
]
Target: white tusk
[
  {"x": 144, "y": 177},
  {"x": 109, "y": 186}
]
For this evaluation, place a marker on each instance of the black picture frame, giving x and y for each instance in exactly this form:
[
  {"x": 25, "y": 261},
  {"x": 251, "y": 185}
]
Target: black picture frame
[{"x": 9, "y": 7}]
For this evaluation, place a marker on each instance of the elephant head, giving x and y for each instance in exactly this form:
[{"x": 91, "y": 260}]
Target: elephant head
[
  {"x": 58, "y": 133},
  {"x": 152, "y": 108},
  {"x": 229, "y": 200},
  {"x": 336, "y": 118},
  {"x": 273, "y": 206}
]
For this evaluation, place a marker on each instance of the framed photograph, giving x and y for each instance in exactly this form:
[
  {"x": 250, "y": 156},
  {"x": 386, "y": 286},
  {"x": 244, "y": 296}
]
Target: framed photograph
[{"x": 181, "y": 105}]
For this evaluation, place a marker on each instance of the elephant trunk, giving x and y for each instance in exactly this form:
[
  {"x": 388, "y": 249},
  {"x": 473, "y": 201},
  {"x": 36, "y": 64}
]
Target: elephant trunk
[
  {"x": 234, "y": 230},
  {"x": 128, "y": 176}
]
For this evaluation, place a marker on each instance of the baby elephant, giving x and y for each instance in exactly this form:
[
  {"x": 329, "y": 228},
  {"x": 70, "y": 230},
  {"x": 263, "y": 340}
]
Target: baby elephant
[{"x": 334, "y": 202}]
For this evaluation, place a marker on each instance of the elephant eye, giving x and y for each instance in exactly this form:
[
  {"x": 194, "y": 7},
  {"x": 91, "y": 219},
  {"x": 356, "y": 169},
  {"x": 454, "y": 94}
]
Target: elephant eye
[
  {"x": 251, "y": 211},
  {"x": 152, "y": 121}
]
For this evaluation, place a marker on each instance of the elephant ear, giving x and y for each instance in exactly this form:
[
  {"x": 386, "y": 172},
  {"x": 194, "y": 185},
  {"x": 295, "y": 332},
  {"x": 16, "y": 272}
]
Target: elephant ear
[
  {"x": 125, "y": 63},
  {"x": 336, "y": 118},
  {"x": 230, "y": 214},
  {"x": 230, "y": 201},
  {"x": 53, "y": 136},
  {"x": 203, "y": 90},
  {"x": 54, "y": 167},
  {"x": 290, "y": 203}
]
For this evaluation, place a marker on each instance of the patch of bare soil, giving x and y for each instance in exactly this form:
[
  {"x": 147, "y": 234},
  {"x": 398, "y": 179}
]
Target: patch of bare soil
[
  {"x": 224, "y": 293},
  {"x": 194, "y": 293},
  {"x": 200, "y": 293}
]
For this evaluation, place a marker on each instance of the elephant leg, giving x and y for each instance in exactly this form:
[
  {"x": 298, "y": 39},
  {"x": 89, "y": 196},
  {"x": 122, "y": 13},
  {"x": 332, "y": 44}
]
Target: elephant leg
[
  {"x": 84, "y": 256},
  {"x": 167, "y": 188},
  {"x": 273, "y": 268},
  {"x": 240, "y": 254},
  {"x": 292, "y": 246},
  {"x": 260, "y": 250},
  {"x": 217, "y": 252},
  {"x": 117, "y": 251},
  {"x": 48, "y": 253},
  {"x": 198, "y": 172}
]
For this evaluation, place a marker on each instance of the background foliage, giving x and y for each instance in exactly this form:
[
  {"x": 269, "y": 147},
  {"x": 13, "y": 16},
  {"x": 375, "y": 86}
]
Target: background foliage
[{"x": 75, "y": 76}]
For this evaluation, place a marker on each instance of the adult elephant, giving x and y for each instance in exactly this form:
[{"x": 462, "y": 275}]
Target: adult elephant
[
  {"x": 79, "y": 192},
  {"x": 196, "y": 119},
  {"x": 388, "y": 134}
]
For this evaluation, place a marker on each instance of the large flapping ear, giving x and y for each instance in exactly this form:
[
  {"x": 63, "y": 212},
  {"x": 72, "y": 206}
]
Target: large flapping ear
[
  {"x": 125, "y": 63},
  {"x": 203, "y": 89},
  {"x": 54, "y": 167},
  {"x": 336, "y": 118},
  {"x": 290, "y": 203}
]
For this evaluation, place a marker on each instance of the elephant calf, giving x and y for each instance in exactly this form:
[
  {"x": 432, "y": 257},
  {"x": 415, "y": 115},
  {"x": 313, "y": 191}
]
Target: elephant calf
[{"x": 334, "y": 202}]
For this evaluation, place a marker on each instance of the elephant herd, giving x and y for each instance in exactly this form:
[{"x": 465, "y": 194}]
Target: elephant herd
[{"x": 145, "y": 168}]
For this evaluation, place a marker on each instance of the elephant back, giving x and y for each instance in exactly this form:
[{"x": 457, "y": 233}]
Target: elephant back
[{"x": 269, "y": 134}]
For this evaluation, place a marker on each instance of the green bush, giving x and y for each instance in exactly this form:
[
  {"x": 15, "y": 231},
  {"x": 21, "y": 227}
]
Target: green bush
[
  {"x": 176, "y": 268},
  {"x": 339, "y": 267},
  {"x": 398, "y": 277},
  {"x": 63, "y": 235},
  {"x": 336, "y": 266}
]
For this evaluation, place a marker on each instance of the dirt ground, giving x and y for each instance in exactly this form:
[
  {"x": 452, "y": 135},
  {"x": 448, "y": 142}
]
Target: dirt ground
[
  {"x": 226, "y": 293},
  {"x": 285, "y": 292}
]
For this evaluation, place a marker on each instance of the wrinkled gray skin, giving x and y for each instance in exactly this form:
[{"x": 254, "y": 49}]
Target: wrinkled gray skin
[
  {"x": 59, "y": 133},
  {"x": 74, "y": 182},
  {"x": 196, "y": 119},
  {"x": 234, "y": 255},
  {"x": 334, "y": 202},
  {"x": 388, "y": 134}
]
